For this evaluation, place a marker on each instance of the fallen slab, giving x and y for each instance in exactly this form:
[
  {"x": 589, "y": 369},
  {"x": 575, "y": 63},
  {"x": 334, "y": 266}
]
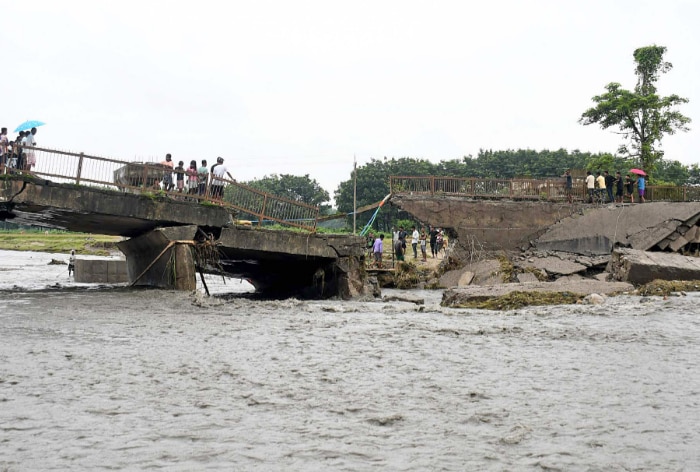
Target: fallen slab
[
  {"x": 640, "y": 267},
  {"x": 555, "y": 265},
  {"x": 641, "y": 226},
  {"x": 465, "y": 296}
]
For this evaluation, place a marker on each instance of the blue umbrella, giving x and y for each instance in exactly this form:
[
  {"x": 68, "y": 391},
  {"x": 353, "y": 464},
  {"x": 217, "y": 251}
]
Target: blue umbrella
[{"x": 29, "y": 124}]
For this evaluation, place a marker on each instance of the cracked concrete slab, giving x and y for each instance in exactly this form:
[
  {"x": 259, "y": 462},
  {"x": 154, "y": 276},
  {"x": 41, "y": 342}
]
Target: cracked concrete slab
[
  {"x": 640, "y": 267},
  {"x": 598, "y": 230}
]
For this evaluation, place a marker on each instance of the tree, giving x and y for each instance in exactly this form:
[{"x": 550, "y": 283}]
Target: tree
[
  {"x": 300, "y": 188},
  {"x": 642, "y": 116}
]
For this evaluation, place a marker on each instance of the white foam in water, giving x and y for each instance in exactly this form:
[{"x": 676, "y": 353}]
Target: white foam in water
[{"x": 28, "y": 271}]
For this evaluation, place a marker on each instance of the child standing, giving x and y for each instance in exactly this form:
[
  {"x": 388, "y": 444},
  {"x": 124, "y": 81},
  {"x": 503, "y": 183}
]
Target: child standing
[
  {"x": 180, "y": 176},
  {"x": 424, "y": 245}
]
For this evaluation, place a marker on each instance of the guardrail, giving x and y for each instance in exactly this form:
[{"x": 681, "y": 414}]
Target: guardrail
[
  {"x": 147, "y": 178},
  {"x": 524, "y": 189}
]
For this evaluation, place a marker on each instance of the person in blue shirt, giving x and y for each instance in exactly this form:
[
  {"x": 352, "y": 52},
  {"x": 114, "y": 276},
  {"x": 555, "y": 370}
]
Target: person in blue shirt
[{"x": 641, "y": 186}]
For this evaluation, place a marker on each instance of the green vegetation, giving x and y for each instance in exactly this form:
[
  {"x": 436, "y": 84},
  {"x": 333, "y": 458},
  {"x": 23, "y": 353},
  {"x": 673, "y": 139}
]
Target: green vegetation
[
  {"x": 664, "y": 288},
  {"x": 407, "y": 275},
  {"x": 642, "y": 116},
  {"x": 298, "y": 188},
  {"x": 507, "y": 269},
  {"x": 59, "y": 242},
  {"x": 516, "y": 299}
]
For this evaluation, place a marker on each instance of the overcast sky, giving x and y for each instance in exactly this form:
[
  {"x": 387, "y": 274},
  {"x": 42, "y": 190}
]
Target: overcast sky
[{"x": 301, "y": 87}]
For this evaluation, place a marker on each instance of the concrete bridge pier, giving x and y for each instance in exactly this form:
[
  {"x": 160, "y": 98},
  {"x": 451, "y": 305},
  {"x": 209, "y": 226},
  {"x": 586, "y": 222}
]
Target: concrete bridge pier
[{"x": 162, "y": 258}]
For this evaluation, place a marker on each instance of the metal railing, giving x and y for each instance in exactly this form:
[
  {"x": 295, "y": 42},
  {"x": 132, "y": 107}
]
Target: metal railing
[
  {"x": 521, "y": 189},
  {"x": 148, "y": 178}
]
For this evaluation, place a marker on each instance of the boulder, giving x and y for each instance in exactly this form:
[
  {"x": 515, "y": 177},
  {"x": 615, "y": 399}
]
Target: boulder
[
  {"x": 451, "y": 278},
  {"x": 487, "y": 272},
  {"x": 466, "y": 278},
  {"x": 594, "y": 299},
  {"x": 527, "y": 277}
]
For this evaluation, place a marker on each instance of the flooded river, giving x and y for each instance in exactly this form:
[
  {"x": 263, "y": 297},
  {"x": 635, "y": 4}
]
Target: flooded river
[{"x": 95, "y": 378}]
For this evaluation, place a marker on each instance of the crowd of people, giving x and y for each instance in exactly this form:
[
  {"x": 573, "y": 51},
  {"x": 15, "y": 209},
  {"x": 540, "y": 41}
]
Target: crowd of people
[
  {"x": 194, "y": 179},
  {"x": 17, "y": 153},
  {"x": 433, "y": 238},
  {"x": 613, "y": 189}
]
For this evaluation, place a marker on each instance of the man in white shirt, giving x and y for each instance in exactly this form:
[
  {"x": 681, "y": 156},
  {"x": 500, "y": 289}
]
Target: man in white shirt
[
  {"x": 219, "y": 171},
  {"x": 29, "y": 142},
  {"x": 590, "y": 185},
  {"x": 415, "y": 237}
]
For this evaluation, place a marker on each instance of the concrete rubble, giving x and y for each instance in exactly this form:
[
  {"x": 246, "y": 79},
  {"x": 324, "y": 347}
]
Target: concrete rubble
[
  {"x": 585, "y": 250},
  {"x": 641, "y": 226},
  {"x": 458, "y": 296},
  {"x": 584, "y": 268}
]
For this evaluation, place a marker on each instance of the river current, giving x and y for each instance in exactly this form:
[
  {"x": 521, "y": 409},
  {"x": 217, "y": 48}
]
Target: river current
[{"x": 105, "y": 378}]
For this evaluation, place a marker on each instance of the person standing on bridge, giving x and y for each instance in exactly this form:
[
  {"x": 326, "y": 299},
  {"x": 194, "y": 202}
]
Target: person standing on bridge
[
  {"x": 569, "y": 186},
  {"x": 168, "y": 174},
  {"x": 590, "y": 185},
  {"x": 192, "y": 178},
  {"x": 28, "y": 142},
  {"x": 219, "y": 171},
  {"x": 203, "y": 174},
  {"x": 609, "y": 184},
  {"x": 19, "y": 151},
  {"x": 4, "y": 145},
  {"x": 180, "y": 176},
  {"x": 618, "y": 187},
  {"x": 629, "y": 188},
  {"x": 641, "y": 188}
]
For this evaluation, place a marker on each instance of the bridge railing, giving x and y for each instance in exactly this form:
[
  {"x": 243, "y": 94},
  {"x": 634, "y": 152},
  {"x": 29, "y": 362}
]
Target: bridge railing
[
  {"x": 550, "y": 189},
  {"x": 147, "y": 178},
  {"x": 535, "y": 189}
]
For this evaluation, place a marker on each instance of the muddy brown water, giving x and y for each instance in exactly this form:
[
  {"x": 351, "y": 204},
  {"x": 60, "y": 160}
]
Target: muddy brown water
[{"x": 113, "y": 378}]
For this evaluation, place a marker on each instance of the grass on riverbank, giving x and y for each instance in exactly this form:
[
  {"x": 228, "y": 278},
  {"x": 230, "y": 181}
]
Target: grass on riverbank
[{"x": 59, "y": 242}]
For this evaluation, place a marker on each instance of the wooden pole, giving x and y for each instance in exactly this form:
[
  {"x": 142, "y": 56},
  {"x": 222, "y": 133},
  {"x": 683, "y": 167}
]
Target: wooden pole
[{"x": 354, "y": 196}]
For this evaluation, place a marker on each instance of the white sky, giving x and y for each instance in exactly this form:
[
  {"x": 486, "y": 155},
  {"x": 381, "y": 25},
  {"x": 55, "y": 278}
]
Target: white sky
[{"x": 301, "y": 86}]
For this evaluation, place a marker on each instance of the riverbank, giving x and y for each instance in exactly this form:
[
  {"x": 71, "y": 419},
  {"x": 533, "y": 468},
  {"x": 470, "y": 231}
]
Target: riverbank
[{"x": 60, "y": 242}]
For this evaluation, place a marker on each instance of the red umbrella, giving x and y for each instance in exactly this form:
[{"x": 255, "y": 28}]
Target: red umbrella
[{"x": 638, "y": 172}]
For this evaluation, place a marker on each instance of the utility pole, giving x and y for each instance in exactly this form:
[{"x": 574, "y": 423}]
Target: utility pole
[{"x": 354, "y": 195}]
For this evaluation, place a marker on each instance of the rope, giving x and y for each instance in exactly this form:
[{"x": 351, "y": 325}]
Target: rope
[{"x": 374, "y": 216}]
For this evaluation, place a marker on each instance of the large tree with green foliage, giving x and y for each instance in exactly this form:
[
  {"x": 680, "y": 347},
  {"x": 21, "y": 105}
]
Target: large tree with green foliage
[
  {"x": 642, "y": 116},
  {"x": 300, "y": 188}
]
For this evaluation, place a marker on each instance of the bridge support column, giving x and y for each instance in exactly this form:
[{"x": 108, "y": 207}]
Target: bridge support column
[{"x": 162, "y": 258}]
